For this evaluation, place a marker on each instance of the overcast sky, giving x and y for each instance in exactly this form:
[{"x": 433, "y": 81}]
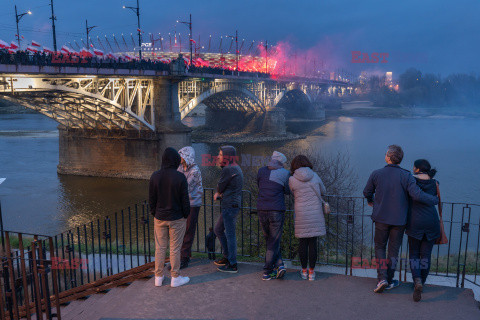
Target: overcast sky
[{"x": 437, "y": 36}]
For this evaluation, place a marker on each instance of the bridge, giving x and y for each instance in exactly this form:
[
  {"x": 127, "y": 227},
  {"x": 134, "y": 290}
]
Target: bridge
[{"x": 117, "y": 121}]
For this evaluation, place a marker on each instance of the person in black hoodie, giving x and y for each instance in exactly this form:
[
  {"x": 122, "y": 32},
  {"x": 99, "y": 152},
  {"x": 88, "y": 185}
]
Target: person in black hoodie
[
  {"x": 229, "y": 190},
  {"x": 170, "y": 205},
  {"x": 423, "y": 227}
]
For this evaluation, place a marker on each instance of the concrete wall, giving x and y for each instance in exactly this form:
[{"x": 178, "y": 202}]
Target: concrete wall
[{"x": 122, "y": 154}]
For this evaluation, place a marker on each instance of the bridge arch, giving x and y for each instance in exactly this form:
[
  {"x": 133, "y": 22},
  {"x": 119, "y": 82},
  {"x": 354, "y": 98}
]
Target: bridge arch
[
  {"x": 295, "y": 102},
  {"x": 225, "y": 96}
]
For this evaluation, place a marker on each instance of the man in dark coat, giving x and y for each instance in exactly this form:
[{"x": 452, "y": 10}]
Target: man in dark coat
[{"x": 170, "y": 206}]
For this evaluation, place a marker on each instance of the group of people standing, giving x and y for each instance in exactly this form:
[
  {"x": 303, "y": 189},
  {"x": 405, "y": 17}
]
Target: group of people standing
[
  {"x": 401, "y": 203},
  {"x": 175, "y": 197}
]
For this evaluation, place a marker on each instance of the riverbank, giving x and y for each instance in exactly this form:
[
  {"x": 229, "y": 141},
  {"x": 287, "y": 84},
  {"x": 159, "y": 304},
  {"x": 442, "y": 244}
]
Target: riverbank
[
  {"x": 403, "y": 112},
  {"x": 206, "y": 136},
  {"x": 8, "y": 107}
]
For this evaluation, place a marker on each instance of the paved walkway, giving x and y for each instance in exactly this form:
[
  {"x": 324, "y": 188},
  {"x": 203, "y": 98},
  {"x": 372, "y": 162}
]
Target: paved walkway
[{"x": 215, "y": 295}]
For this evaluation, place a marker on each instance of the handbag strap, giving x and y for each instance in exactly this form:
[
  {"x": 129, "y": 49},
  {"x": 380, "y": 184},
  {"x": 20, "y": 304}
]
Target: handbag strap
[
  {"x": 316, "y": 192},
  {"x": 439, "y": 200}
]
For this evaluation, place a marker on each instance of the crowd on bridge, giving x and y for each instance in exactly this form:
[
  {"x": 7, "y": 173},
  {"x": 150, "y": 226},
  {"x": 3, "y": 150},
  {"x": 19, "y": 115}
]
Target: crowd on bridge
[
  {"x": 402, "y": 203},
  {"x": 65, "y": 59}
]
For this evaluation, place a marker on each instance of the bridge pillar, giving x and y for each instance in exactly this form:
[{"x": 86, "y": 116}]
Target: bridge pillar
[
  {"x": 274, "y": 122},
  {"x": 126, "y": 153}
]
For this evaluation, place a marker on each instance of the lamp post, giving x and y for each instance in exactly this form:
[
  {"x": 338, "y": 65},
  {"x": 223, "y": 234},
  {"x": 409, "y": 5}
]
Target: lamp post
[
  {"x": 18, "y": 17},
  {"x": 88, "y": 29},
  {"x": 189, "y": 24},
  {"x": 136, "y": 10},
  {"x": 53, "y": 18}
]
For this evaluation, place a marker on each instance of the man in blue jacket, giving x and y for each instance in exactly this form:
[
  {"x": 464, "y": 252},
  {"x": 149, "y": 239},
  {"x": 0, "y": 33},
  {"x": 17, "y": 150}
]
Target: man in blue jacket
[
  {"x": 388, "y": 191},
  {"x": 272, "y": 183}
]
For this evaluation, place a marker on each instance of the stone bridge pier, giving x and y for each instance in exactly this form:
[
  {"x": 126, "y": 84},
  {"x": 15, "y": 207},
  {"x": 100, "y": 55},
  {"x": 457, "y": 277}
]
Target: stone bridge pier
[
  {"x": 127, "y": 153},
  {"x": 270, "y": 122}
]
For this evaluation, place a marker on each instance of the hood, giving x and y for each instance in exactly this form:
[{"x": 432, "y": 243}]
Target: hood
[
  {"x": 170, "y": 159},
  {"x": 303, "y": 174},
  {"x": 274, "y": 164},
  {"x": 228, "y": 153},
  {"x": 187, "y": 154}
]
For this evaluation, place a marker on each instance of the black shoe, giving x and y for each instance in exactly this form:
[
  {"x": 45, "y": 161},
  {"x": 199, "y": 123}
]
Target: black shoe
[
  {"x": 184, "y": 264},
  {"x": 229, "y": 268},
  {"x": 417, "y": 291},
  {"x": 221, "y": 262}
]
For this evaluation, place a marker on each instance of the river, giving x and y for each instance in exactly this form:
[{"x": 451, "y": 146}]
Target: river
[{"x": 36, "y": 199}]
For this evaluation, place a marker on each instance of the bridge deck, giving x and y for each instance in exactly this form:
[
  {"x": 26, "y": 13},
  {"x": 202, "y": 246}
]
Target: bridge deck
[{"x": 214, "y": 295}]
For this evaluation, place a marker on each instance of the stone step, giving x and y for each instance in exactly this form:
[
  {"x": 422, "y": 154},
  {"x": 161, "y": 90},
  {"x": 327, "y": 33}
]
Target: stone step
[
  {"x": 78, "y": 309},
  {"x": 109, "y": 298},
  {"x": 120, "y": 297}
]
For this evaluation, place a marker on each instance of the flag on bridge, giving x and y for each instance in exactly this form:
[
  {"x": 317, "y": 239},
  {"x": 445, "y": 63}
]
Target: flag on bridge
[
  {"x": 85, "y": 53},
  {"x": 36, "y": 44},
  {"x": 66, "y": 50},
  {"x": 140, "y": 30},
  {"x": 47, "y": 50},
  {"x": 13, "y": 45},
  {"x": 4, "y": 45},
  {"x": 32, "y": 49},
  {"x": 98, "y": 52}
]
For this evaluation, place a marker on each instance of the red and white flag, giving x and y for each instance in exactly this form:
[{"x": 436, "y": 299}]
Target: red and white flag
[
  {"x": 13, "y": 45},
  {"x": 85, "y": 53},
  {"x": 98, "y": 52},
  {"x": 66, "y": 50},
  {"x": 140, "y": 30},
  {"x": 47, "y": 50},
  {"x": 36, "y": 44},
  {"x": 10, "y": 50},
  {"x": 4, "y": 45},
  {"x": 32, "y": 49}
]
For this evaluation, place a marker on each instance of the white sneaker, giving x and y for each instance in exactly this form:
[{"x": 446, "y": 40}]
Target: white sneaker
[
  {"x": 304, "y": 274},
  {"x": 158, "y": 281},
  {"x": 179, "y": 281},
  {"x": 311, "y": 276}
]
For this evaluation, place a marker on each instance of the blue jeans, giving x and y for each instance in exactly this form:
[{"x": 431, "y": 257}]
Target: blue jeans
[
  {"x": 225, "y": 231},
  {"x": 420, "y": 257},
  {"x": 272, "y": 227}
]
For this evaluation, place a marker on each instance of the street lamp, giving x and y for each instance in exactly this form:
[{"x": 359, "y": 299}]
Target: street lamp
[
  {"x": 189, "y": 24},
  {"x": 236, "y": 48},
  {"x": 18, "y": 17},
  {"x": 136, "y": 10},
  {"x": 88, "y": 31}
]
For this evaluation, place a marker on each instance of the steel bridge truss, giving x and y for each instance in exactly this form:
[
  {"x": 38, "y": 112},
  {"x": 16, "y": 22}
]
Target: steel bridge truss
[
  {"x": 244, "y": 96},
  {"x": 86, "y": 102}
]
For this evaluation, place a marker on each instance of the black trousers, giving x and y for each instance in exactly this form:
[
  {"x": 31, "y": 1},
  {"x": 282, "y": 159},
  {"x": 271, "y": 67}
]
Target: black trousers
[
  {"x": 192, "y": 221},
  {"x": 307, "y": 251},
  {"x": 387, "y": 261},
  {"x": 420, "y": 257}
]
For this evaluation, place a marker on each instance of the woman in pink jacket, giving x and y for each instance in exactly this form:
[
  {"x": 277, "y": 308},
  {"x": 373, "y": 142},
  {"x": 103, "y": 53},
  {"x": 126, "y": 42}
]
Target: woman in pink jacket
[{"x": 307, "y": 189}]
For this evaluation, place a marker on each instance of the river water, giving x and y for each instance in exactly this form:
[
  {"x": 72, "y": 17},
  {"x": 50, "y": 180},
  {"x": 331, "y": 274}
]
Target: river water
[{"x": 36, "y": 199}]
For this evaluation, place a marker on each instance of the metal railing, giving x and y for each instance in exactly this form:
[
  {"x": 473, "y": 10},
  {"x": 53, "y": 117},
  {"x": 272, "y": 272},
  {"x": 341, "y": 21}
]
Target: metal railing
[{"x": 40, "y": 271}]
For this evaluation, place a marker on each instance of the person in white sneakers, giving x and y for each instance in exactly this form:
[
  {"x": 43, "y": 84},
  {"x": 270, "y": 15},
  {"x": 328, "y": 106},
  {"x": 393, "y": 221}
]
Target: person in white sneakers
[{"x": 170, "y": 206}]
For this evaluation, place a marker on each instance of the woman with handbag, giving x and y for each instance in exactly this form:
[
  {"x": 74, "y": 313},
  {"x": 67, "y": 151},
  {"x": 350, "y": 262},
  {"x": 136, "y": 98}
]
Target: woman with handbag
[
  {"x": 307, "y": 189},
  {"x": 423, "y": 227}
]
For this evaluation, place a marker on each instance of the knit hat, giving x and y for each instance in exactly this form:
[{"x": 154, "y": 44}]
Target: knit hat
[{"x": 280, "y": 157}]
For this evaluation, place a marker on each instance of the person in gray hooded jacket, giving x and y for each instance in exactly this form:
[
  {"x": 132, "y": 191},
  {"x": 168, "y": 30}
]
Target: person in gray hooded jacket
[
  {"x": 229, "y": 190},
  {"x": 195, "y": 192}
]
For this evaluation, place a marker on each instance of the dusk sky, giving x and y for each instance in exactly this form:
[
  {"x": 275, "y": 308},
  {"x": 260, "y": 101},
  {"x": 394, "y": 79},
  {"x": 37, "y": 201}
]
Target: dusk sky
[{"x": 436, "y": 36}]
